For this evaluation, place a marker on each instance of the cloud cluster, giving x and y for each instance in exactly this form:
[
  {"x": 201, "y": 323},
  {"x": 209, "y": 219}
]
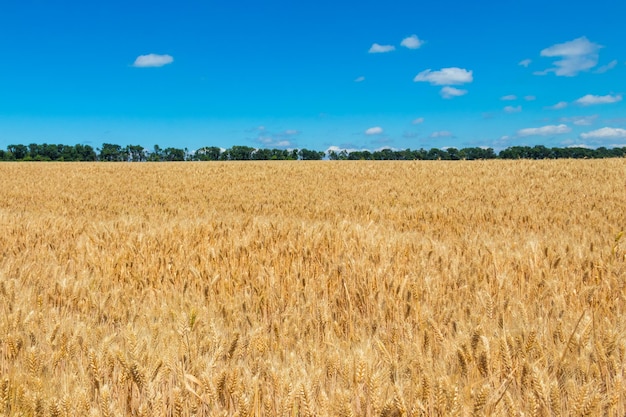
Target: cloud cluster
[
  {"x": 451, "y": 92},
  {"x": 574, "y": 56},
  {"x": 544, "y": 130},
  {"x": 410, "y": 42},
  {"x": 152, "y": 60},
  {"x": 376, "y": 130},
  {"x": 380, "y": 49},
  {"x": 605, "y": 133},
  {"x": 447, "y": 77},
  {"x": 590, "y": 99},
  {"x": 580, "y": 120},
  {"x": 282, "y": 139}
]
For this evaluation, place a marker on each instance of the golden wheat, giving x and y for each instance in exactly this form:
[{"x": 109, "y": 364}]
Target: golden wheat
[{"x": 313, "y": 289}]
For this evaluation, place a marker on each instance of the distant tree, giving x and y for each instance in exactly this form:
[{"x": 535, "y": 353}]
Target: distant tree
[
  {"x": 111, "y": 153},
  {"x": 18, "y": 152},
  {"x": 136, "y": 153},
  {"x": 308, "y": 155},
  {"x": 238, "y": 153},
  {"x": 207, "y": 153},
  {"x": 173, "y": 154}
]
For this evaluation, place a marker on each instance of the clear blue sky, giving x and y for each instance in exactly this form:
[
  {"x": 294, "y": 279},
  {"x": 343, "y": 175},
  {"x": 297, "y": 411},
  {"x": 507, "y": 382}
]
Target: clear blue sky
[{"x": 313, "y": 74}]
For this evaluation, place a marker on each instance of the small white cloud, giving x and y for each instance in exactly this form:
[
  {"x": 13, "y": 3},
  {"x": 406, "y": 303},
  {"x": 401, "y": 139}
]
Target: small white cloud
[
  {"x": 577, "y": 55},
  {"x": 152, "y": 60},
  {"x": 605, "y": 133},
  {"x": 291, "y": 132},
  {"x": 377, "y": 130},
  {"x": 441, "y": 134},
  {"x": 510, "y": 97},
  {"x": 412, "y": 42},
  {"x": 513, "y": 109},
  {"x": 525, "y": 62},
  {"x": 544, "y": 130},
  {"x": 448, "y": 92},
  {"x": 359, "y": 79},
  {"x": 580, "y": 120},
  {"x": 445, "y": 76},
  {"x": 607, "y": 67},
  {"x": 378, "y": 49},
  {"x": 418, "y": 121},
  {"x": 530, "y": 98},
  {"x": 590, "y": 99},
  {"x": 558, "y": 106}
]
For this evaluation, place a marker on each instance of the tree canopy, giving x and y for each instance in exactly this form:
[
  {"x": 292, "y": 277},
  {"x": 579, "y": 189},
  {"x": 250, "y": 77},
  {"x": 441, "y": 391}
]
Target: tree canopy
[{"x": 109, "y": 152}]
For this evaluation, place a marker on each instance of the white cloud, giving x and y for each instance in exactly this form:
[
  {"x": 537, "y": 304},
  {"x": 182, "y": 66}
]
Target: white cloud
[
  {"x": 579, "y": 120},
  {"x": 412, "y": 42},
  {"x": 291, "y": 132},
  {"x": 605, "y": 133},
  {"x": 445, "y": 76},
  {"x": 510, "y": 97},
  {"x": 152, "y": 60},
  {"x": 530, "y": 98},
  {"x": 607, "y": 67},
  {"x": 359, "y": 79},
  {"x": 441, "y": 134},
  {"x": 418, "y": 121},
  {"x": 577, "y": 55},
  {"x": 377, "y": 48},
  {"x": 450, "y": 92},
  {"x": 558, "y": 106},
  {"x": 544, "y": 130},
  {"x": 590, "y": 99},
  {"x": 525, "y": 63},
  {"x": 376, "y": 130},
  {"x": 513, "y": 109}
]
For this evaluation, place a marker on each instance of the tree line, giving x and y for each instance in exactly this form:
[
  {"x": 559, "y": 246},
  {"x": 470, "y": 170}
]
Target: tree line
[{"x": 137, "y": 153}]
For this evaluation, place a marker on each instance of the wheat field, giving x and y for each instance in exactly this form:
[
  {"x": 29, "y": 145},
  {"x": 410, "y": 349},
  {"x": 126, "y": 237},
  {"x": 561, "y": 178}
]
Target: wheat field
[{"x": 313, "y": 289}]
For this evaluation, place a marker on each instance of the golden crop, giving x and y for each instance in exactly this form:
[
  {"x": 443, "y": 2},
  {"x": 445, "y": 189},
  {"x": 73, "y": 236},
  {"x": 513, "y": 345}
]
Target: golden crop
[{"x": 313, "y": 289}]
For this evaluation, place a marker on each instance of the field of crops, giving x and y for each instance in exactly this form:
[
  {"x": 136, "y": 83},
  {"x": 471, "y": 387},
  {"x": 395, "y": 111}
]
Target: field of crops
[{"x": 313, "y": 288}]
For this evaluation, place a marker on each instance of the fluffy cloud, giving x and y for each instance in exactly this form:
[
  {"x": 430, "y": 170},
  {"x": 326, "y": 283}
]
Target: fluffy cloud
[
  {"x": 418, "y": 121},
  {"x": 575, "y": 56},
  {"x": 558, "y": 106},
  {"x": 544, "y": 130},
  {"x": 450, "y": 92},
  {"x": 152, "y": 60},
  {"x": 590, "y": 99},
  {"x": 359, "y": 79},
  {"x": 605, "y": 133},
  {"x": 376, "y": 130},
  {"x": 510, "y": 97},
  {"x": 378, "y": 49},
  {"x": 412, "y": 42},
  {"x": 607, "y": 67},
  {"x": 445, "y": 76},
  {"x": 530, "y": 98},
  {"x": 525, "y": 63},
  {"x": 513, "y": 109}
]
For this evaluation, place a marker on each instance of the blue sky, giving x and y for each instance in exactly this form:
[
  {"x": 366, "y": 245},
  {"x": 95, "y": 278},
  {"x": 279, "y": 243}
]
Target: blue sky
[{"x": 355, "y": 75}]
